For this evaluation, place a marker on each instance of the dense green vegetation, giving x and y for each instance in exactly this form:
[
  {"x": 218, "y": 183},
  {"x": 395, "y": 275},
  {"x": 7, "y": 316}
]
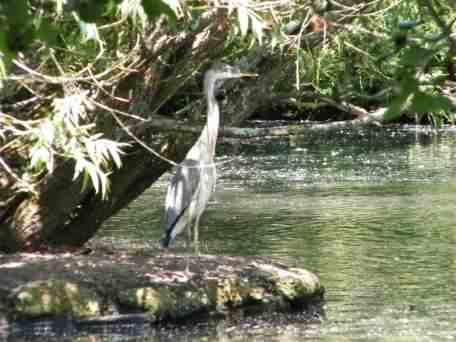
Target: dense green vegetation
[{"x": 84, "y": 85}]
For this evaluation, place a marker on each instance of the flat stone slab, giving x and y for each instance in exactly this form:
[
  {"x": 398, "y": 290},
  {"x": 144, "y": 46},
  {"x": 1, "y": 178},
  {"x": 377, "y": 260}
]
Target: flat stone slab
[{"x": 116, "y": 286}]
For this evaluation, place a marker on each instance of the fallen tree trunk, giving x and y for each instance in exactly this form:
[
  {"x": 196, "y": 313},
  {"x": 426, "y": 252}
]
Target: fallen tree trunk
[{"x": 376, "y": 118}]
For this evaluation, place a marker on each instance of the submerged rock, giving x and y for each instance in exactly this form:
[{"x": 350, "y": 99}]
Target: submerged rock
[{"x": 109, "y": 286}]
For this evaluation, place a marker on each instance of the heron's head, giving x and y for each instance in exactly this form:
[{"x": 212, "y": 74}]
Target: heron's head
[{"x": 220, "y": 72}]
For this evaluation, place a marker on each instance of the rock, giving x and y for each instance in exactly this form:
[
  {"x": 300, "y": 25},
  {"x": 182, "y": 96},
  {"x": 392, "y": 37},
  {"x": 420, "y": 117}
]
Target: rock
[
  {"x": 226, "y": 291},
  {"x": 166, "y": 301},
  {"x": 265, "y": 284},
  {"x": 291, "y": 284},
  {"x": 54, "y": 297},
  {"x": 154, "y": 288}
]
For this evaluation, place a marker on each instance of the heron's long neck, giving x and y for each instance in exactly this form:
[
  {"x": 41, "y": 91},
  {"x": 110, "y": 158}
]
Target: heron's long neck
[{"x": 210, "y": 132}]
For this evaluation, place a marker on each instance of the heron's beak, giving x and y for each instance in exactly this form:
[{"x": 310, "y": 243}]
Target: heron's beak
[{"x": 249, "y": 75}]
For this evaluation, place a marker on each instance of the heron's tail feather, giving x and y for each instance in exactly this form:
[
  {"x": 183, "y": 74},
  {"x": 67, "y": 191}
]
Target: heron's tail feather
[{"x": 171, "y": 231}]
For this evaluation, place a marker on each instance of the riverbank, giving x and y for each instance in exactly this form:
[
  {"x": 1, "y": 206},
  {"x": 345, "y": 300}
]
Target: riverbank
[{"x": 113, "y": 286}]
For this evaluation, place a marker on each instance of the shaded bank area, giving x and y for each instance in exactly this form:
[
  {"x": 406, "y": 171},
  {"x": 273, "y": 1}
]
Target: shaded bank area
[{"x": 139, "y": 287}]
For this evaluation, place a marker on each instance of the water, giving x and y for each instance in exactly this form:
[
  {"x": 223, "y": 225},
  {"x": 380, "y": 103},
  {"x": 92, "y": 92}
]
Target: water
[{"x": 371, "y": 212}]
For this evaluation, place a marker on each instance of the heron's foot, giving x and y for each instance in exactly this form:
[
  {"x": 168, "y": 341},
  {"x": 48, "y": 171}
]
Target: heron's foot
[{"x": 187, "y": 266}]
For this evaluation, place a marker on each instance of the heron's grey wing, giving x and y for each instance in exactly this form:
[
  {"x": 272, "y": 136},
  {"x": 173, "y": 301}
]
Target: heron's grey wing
[{"x": 181, "y": 190}]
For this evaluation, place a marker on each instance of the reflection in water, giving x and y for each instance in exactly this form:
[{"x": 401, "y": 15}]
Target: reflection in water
[{"x": 371, "y": 212}]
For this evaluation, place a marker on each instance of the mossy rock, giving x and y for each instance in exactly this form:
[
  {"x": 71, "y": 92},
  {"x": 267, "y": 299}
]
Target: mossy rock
[
  {"x": 151, "y": 288},
  {"x": 165, "y": 301},
  {"x": 290, "y": 285},
  {"x": 236, "y": 290},
  {"x": 56, "y": 298},
  {"x": 263, "y": 284},
  {"x": 227, "y": 291}
]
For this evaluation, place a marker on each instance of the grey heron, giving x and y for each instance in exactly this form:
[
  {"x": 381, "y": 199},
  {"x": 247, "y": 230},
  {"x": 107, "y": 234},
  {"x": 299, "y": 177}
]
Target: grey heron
[{"x": 194, "y": 181}]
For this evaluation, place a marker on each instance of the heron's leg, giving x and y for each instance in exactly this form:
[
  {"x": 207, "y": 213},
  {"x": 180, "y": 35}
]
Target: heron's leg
[
  {"x": 187, "y": 265},
  {"x": 188, "y": 245},
  {"x": 196, "y": 235},
  {"x": 189, "y": 236}
]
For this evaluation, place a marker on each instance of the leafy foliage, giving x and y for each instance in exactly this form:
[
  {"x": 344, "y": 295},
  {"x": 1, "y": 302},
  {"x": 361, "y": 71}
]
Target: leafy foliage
[
  {"x": 25, "y": 21},
  {"x": 419, "y": 69},
  {"x": 66, "y": 131},
  {"x": 62, "y": 135}
]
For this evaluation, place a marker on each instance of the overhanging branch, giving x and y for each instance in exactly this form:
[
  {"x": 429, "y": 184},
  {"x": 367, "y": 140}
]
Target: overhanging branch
[{"x": 164, "y": 124}]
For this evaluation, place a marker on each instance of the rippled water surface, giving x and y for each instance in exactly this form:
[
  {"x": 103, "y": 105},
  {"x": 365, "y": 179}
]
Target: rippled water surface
[{"x": 371, "y": 212}]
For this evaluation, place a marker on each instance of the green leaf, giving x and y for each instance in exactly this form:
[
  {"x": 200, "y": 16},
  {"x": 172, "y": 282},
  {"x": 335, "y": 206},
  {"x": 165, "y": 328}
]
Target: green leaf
[
  {"x": 79, "y": 167},
  {"x": 407, "y": 86},
  {"x": 92, "y": 170},
  {"x": 6, "y": 55},
  {"x": 16, "y": 24},
  {"x": 104, "y": 182},
  {"x": 48, "y": 32},
  {"x": 416, "y": 56},
  {"x": 85, "y": 181},
  {"x": 89, "y": 11},
  {"x": 115, "y": 154},
  {"x": 426, "y": 103},
  {"x": 91, "y": 151},
  {"x": 89, "y": 31},
  {"x": 111, "y": 7},
  {"x": 257, "y": 28},
  {"x": 20, "y": 39},
  {"x": 155, "y": 8},
  {"x": 42, "y": 157},
  {"x": 408, "y": 83},
  {"x": 396, "y": 107},
  {"x": 47, "y": 132},
  {"x": 277, "y": 38},
  {"x": 16, "y": 13}
]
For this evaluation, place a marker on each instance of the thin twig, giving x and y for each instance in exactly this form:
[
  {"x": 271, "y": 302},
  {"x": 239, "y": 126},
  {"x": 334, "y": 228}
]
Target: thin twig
[
  {"x": 131, "y": 134},
  {"x": 29, "y": 187}
]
